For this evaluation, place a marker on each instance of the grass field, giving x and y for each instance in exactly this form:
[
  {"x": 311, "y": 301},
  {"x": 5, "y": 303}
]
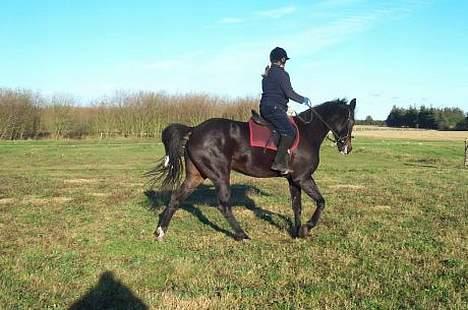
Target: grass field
[{"x": 76, "y": 229}]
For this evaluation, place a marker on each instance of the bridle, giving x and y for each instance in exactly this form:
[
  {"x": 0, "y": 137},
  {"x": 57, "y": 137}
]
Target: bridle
[{"x": 337, "y": 138}]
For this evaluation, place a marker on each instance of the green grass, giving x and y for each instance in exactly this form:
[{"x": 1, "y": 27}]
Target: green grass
[{"x": 393, "y": 234}]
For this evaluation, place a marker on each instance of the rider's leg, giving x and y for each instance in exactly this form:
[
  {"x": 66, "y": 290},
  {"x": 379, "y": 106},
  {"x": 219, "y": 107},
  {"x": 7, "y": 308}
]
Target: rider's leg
[
  {"x": 279, "y": 119},
  {"x": 281, "y": 162}
]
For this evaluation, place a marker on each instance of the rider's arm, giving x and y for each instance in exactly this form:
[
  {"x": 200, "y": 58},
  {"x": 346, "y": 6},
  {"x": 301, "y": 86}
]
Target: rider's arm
[{"x": 286, "y": 87}]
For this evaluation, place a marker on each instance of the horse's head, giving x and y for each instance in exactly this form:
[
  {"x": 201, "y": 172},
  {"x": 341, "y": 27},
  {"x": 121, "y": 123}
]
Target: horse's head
[
  {"x": 338, "y": 117},
  {"x": 344, "y": 128}
]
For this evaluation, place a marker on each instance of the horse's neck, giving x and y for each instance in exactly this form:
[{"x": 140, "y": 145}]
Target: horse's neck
[
  {"x": 317, "y": 130},
  {"x": 320, "y": 131}
]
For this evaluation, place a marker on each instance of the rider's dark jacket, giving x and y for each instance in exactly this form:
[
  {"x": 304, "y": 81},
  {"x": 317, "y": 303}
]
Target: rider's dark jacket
[{"x": 277, "y": 89}]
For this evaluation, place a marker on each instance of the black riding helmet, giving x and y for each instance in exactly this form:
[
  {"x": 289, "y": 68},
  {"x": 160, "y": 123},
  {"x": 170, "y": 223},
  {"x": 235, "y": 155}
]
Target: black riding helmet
[{"x": 277, "y": 54}]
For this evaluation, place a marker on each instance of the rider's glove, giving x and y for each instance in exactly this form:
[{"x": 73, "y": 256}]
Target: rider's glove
[{"x": 306, "y": 101}]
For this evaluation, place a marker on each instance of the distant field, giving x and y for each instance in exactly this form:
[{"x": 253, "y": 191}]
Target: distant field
[
  {"x": 76, "y": 229},
  {"x": 409, "y": 133}
]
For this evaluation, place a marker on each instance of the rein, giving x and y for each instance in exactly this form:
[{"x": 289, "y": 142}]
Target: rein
[{"x": 337, "y": 137}]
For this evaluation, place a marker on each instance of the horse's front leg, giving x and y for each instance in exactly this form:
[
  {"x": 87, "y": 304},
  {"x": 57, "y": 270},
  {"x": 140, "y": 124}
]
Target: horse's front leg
[
  {"x": 308, "y": 185},
  {"x": 296, "y": 204}
]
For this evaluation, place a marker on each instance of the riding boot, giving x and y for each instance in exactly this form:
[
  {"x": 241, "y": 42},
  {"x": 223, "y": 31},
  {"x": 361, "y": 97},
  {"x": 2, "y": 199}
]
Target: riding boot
[{"x": 282, "y": 157}]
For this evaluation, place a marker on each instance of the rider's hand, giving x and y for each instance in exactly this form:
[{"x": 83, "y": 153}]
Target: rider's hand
[{"x": 306, "y": 101}]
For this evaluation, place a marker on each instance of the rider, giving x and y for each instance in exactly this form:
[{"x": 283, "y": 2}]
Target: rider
[{"x": 277, "y": 91}]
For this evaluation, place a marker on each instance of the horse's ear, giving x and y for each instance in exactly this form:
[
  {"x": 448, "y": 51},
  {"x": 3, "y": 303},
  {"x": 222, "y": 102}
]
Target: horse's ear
[{"x": 352, "y": 104}]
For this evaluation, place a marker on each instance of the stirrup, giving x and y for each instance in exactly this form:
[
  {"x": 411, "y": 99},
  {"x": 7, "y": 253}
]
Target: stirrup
[
  {"x": 283, "y": 172},
  {"x": 286, "y": 172}
]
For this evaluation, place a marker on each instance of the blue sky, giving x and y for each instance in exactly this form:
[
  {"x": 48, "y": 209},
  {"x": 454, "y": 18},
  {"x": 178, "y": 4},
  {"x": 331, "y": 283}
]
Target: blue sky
[{"x": 384, "y": 53}]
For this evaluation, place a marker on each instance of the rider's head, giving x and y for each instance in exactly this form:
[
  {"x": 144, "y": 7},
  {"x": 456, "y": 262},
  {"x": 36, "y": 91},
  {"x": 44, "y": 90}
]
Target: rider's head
[{"x": 278, "y": 56}]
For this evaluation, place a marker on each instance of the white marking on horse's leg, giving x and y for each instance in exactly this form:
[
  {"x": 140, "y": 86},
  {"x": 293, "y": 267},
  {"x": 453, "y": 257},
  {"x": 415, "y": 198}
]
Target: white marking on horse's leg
[
  {"x": 166, "y": 161},
  {"x": 160, "y": 232}
]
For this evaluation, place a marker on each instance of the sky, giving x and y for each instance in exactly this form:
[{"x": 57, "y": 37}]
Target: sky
[{"x": 383, "y": 53}]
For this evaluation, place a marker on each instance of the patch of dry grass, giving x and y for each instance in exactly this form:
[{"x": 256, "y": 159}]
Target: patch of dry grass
[{"x": 409, "y": 133}]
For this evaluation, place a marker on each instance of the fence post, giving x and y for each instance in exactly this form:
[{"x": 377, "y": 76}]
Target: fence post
[{"x": 466, "y": 152}]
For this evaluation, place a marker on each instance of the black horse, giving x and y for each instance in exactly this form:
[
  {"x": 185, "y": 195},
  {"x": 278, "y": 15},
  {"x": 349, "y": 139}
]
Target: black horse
[{"x": 217, "y": 146}]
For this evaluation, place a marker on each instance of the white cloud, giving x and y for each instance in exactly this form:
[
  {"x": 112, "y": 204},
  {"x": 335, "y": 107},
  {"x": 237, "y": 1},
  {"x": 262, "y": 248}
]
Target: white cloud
[
  {"x": 277, "y": 13},
  {"x": 274, "y": 13},
  {"x": 236, "y": 69}
]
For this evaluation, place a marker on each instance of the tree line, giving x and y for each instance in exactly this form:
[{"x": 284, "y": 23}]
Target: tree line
[
  {"x": 28, "y": 115},
  {"x": 25, "y": 115},
  {"x": 428, "y": 118},
  {"x": 370, "y": 121}
]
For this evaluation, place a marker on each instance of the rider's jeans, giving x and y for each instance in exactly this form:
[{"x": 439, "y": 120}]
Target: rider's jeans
[{"x": 276, "y": 115}]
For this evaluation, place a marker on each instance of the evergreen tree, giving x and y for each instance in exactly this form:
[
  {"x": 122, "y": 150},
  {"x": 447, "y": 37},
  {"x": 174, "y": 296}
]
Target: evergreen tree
[
  {"x": 395, "y": 117},
  {"x": 412, "y": 117},
  {"x": 429, "y": 118}
]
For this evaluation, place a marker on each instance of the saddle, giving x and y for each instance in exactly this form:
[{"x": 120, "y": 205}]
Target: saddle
[
  {"x": 264, "y": 135},
  {"x": 258, "y": 119}
]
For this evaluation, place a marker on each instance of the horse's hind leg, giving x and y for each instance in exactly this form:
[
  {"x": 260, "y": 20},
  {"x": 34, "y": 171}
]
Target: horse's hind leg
[
  {"x": 192, "y": 180},
  {"x": 312, "y": 190},
  {"x": 296, "y": 203},
  {"x": 215, "y": 164},
  {"x": 224, "y": 195}
]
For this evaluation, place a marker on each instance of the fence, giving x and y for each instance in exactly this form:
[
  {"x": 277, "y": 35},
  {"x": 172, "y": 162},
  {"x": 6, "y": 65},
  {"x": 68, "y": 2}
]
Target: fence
[{"x": 466, "y": 153}]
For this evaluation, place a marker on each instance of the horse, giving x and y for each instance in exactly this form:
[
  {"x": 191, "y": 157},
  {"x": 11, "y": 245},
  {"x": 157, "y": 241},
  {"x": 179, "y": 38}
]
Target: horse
[{"x": 217, "y": 146}]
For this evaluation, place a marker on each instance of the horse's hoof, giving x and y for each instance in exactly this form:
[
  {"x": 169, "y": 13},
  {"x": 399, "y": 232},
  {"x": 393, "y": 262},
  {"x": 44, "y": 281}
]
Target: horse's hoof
[
  {"x": 159, "y": 234},
  {"x": 294, "y": 232},
  {"x": 241, "y": 237},
  {"x": 303, "y": 231}
]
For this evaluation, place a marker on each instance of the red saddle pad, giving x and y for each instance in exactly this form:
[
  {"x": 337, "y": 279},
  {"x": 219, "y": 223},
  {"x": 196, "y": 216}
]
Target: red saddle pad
[{"x": 260, "y": 136}]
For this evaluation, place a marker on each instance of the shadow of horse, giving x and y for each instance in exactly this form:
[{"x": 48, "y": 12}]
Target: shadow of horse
[
  {"x": 109, "y": 293},
  {"x": 239, "y": 198}
]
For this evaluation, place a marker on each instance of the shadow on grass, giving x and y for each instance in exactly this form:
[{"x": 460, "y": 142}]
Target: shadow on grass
[
  {"x": 109, "y": 293},
  {"x": 207, "y": 195}
]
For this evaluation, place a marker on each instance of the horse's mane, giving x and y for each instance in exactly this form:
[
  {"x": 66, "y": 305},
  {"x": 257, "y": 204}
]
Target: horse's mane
[{"x": 326, "y": 107}]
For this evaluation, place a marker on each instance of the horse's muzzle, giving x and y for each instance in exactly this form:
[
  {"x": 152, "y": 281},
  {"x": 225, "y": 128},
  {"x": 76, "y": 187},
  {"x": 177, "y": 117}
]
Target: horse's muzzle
[{"x": 346, "y": 149}]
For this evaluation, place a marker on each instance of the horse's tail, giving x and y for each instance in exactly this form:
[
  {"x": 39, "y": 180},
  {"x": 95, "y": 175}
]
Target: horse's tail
[{"x": 168, "y": 171}]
